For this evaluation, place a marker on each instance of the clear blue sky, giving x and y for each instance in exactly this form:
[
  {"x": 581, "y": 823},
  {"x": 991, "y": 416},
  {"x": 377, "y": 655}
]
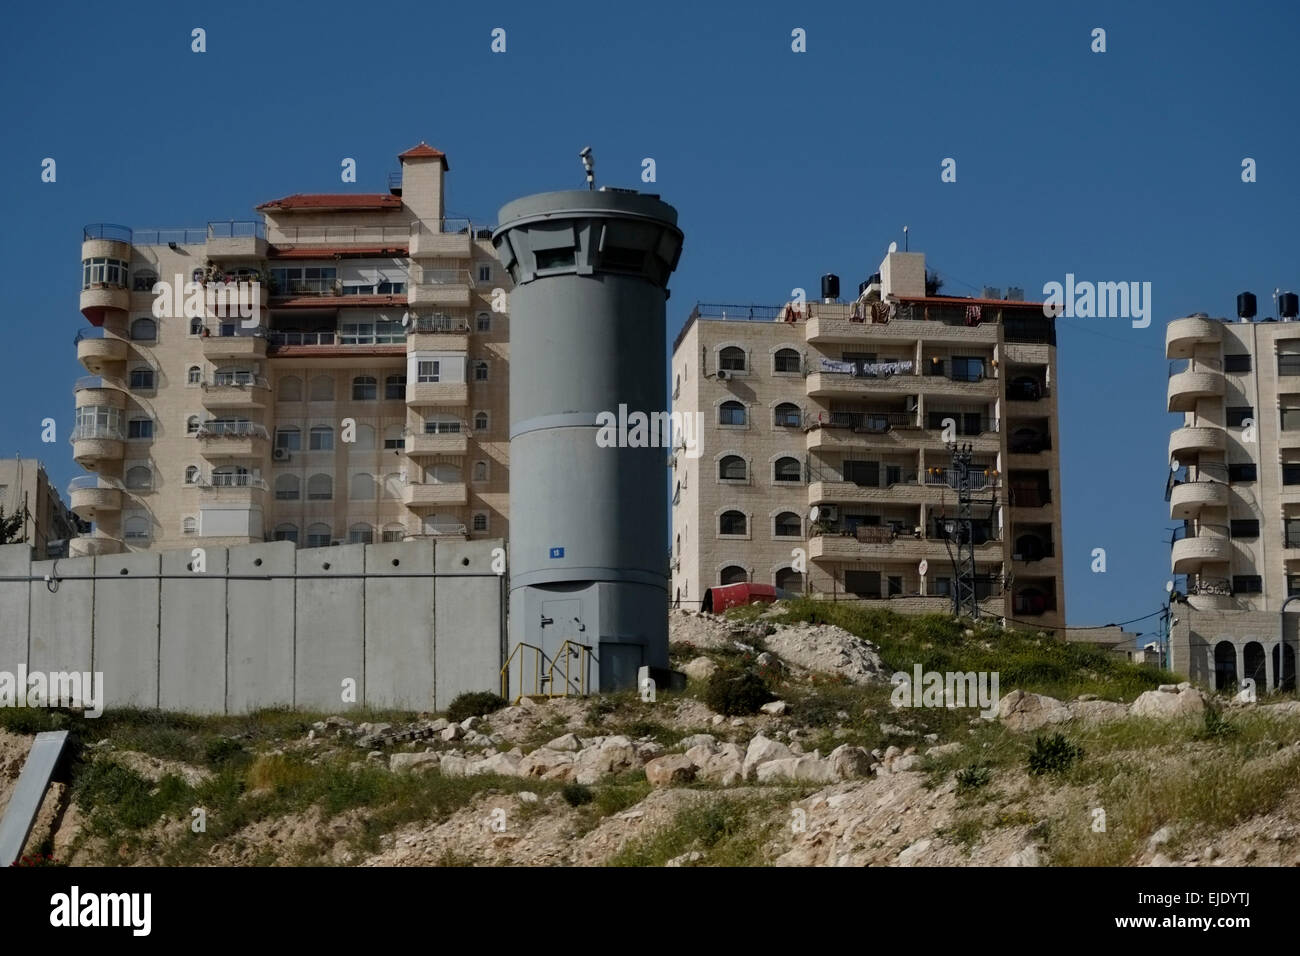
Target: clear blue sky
[{"x": 1116, "y": 166}]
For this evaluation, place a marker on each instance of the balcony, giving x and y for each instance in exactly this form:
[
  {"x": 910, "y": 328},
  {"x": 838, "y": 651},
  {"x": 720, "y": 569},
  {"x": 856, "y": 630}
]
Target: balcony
[
  {"x": 440, "y": 494},
  {"x": 424, "y": 445},
  {"x": 369, "y": 235},
  {"x": 834, "y": 489},
  {"x": 93, "y": 545},
  {"x": 92, "y": 495},
  {"x": 225, "y": 439},
  {"x": 1026, "y": 388},
  {"x": 454, "y": 241},
  {"x": 858, "y": 429},
  {"x": 1209, "y": 594},
  {"x": 236, "y": 240},
  {"x": 95, "y": 349},
  {"x": 1182, "y": 336},
  {"x": 826, "y": 384},
  {"x": 98, "y": 297},
  {"x": 439, "y": 287},
  {"x": 1189, "y": 441},
  {"x": 439, "y": 394},
  {"x": 875, "y": 542},
  {"x": 1188, "y": 498},
  {"x": 1191, "y": 381},
  {"x": 849, "y": 323},
  {"x": 92, "y": 444},
  {"x": 1195, "y": 547},
  {"x": 99, "y": 390},
  {"x": 237, "y": 392},
  {"x": 442, "y": 332},
  {"x": 231, "y": 488},
  {"x": 244, "y": 344}
]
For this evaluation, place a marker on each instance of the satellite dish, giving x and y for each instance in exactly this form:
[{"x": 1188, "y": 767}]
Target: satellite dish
[
  {"x": 1169, "y": 587},
  {"x": 893, "y": 247},
  {"x": 1174, "y": 466},
  {"x": 923, "y": 567},
  {"x": 814, "y": 513}
]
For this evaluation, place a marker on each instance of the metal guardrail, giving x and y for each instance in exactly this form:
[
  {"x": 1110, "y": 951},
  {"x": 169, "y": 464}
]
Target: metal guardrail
[
  {"x": 301, "y": 338},
  {"x": 182, "y": 236},
  {"x": 1189, "y": 531},
  {"x": 232, "y": 481},
  {"x": 220, "y": 429},
  {"x": 92, "y": 432},
  {"x": 448, "y": 227},
  {"x": 324, "y": 235},
  {"x": 239, "y": 382},
  {"x": 106, "y": 230},
  {"x": 421, "y": 276},
  {"x": 84, "y": 482},
  {"x": 237, "y": 229},
  {"x": 438, "y": 323}
]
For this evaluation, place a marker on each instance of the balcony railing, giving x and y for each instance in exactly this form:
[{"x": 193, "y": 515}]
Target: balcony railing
[
  {"x": 87, "y": 482},
  {"x": 1178, "y": 366},
  {"x": 106, "y": 230},
  {"x": 874, "y": 423},
  {"x": 326, "y": 235},
  {"x": 1206, "y": 530},
  {"x": 93, "y": 381},
  {"x": 92, "y": 432},
  {"x": 163, "y": 237},
  {"x": 237, "y": 229},
  {"x": 236, "y": 381},
  {"x": 441, "y": 322},
  {"x": 449, "y": 227},
  {"x": 441, "y": 277},
  {"x": 232, "y": 481},
  {"x": 319, "y": 287},
  {"x": 981, "y": 476},
  {"x": 220, "y": 429},
  {"x": 969, "y": 427},
  {"x": 884, "y": 476},
  {"x": 1026, "y": 391},
  {"x": 300, "y": 338}
]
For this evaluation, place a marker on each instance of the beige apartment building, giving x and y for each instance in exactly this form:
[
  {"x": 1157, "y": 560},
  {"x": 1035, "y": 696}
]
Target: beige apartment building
[
  {"x": 1234, "y": 487},
  {"x": 363, "y": 399},
  {"x": 48, "y": 525},
  {"x": 849, "y": 409}
]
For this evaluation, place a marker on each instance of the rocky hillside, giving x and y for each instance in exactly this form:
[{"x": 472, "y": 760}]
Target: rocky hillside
[{"x": 786, "y": 748}]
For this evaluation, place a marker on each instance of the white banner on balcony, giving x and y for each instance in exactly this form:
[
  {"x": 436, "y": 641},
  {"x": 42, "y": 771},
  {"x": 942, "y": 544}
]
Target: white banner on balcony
[{"x": 872, "y": 369}]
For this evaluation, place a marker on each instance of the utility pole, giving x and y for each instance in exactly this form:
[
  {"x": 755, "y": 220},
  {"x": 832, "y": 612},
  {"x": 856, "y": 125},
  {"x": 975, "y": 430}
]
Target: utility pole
[{"x": 964, "y": 597}]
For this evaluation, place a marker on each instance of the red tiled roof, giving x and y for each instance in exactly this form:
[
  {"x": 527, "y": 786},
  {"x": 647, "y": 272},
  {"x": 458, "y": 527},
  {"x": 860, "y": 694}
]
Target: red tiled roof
[
  {"x": 329, "y": 252},
  {"x": 351, "y": 201},
  {"x": 424, "y": 151}
]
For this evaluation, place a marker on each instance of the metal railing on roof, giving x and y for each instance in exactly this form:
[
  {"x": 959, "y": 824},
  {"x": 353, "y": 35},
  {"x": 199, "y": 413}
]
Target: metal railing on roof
[
  {"x": 448, "y": 227},
  {"x": 326, "y": 235},
  {"x": 106, "y": 230},
  {"x": 237, "y": 229},
  {"x": 162, "y": 237}
]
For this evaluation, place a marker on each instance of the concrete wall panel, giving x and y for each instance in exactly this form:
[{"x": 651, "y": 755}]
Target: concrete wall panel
[
  {"x": 61, "y": 621},
  {"x": 126, "y": 628},
  {"x": 399, "y": 627},
  {"x": 468, "y": 619},
  {"x": 15, "y": 599},
  {"x": 260, "y": 628},
  {"x": 330, "y": 627},
  {"x": 192, "y": 645}
]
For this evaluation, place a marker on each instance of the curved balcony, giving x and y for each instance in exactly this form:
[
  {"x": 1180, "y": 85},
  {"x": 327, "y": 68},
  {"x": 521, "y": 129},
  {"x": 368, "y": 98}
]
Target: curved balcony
[
  {"x": 1190, "y": 440},
  {"x": 1192, "y": 550},
  {"x": 99, "y": 390},
  {"x": 95, "y": 350},
  {"x": 1189, "y": 385},
  {"x": 102, "y": 297},
  {"x": 93, "y": 444},
  {"x": 1182, "y": 336},
  {"x": 93, "y": 545},
  {"x": 1209, "y": 594},
  {"x": 244, "y": 344},
  {"x": 1188, "y": 498},
  {"x": 93, "y": 495}
]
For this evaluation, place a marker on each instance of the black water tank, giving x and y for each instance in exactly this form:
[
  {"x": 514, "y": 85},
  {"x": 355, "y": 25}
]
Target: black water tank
[
  {"x": 830, "y": 287},
  {"x": 862, "y": 286},
  {"x": 1246, "y": 305},
  {"x": 1288, "y": 305}
]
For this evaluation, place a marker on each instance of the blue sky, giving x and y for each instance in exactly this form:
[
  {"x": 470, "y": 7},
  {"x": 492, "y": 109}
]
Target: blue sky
[{"x": 1116, "y": 166}]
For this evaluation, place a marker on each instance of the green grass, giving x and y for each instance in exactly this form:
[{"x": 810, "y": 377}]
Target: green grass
[{"x": 729, "y": 832}]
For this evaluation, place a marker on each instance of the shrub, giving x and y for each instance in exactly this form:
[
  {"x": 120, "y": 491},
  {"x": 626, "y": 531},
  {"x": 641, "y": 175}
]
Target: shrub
[
  {"x": 734, "y": 693},
  {"x": 223, "y": 750},
  {"x": 973, "y": 777},
  {"x": 576, "y": 794},
  {"x": 1215, "y": 725},
  {"x": 1053, "y": 754},
  {"x": 477, "y": 703}
]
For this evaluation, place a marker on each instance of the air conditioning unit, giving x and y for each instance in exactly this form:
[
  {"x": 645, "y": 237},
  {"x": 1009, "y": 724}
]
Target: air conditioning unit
[
  {"x": 280, "y": 454},
  {"x": 829, "y": 512},
  {"x": 723, "y": 375}
]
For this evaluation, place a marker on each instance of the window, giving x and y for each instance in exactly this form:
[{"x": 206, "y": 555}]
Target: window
[
  {"x": 103, "y": 272},
  {"x": 290, "y": 389},
  {"x": 1290, "y": 418},
  {"x": 194, "y": 375},
  {"x": 1237, "y": 414},
  {"x": 191, "y": 474},
  {"x": 1236, "y": 363},
  {"x": 196, "y": 326},
  {"x": 140, "y": 428},
  {"x": 1244, "y": 472},
  {"x": 480, "y": 471},
  {"x": 286, "y": 532},
  {"x": 1288, "y": 364},
  {"x": 395, "y": 388},
  {"x": 1244, "y": 528},
  {"x": 136, "y": 528},
  {"x": 364, "y": 388},
  {"x": 394, "y": 532},
  {"x": 731, "y": 413},
  {"x": 731, "y": 522},
  {"x": 1290, "y": 473},
  {"x": 787, "y": 469},
  {"x": 788, "y": 579},
  {"x": 192, "y": 425},
  {"x": 732, "y": 359},
  {"x": 394, "y": 437},
  {"x": 318, "y": 536},
  {"x": 361, "y": 534},
  {"x": 480, "y": 371},
  {"x": 144, "y": 330},
  {"x": 786, "y": 415},
  {"x": 788, "y": 525},
  {"x": 785, "y": 360},
  {"x": 139, "y": 477},
  {"x": 483, "y": 323},
  {"x": 377, "y": 332},
  {"x": 322, "y": 389},
  {"x": 1247, "y": 584},
  {"x": 321, "y": 438},
  {"x": 363, "y": 488},
  {"x": 288, "y": 439},
  {"x": 190, "y": 525},
  {"x": 733, "y": 574},
  {"x": 141, "y": 379},
  {"x": 442, "y": 426},
  {"x": 485, "y": 273},
  {"x": 967, "y": 368},
  {"x": 480, "y": 522},
  {"x": 732, "y": 468},
  {"x": 480, "y": 421},
  {"x": 428, "y": 370},
  {"x": 288, "y": 488},
  {"x": 305, "y": 280},
  {"x": 320, "y": 488}
]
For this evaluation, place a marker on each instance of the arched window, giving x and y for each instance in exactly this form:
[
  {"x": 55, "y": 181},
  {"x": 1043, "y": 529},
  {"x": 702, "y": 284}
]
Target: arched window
[
  {"x": 787, "y": 469},
  {"x": 787, "y": 525},
  {"x": 318, "y": 535},
  {"x": 322, "y": 389},
  {"x": 480, "y": 521},
  {"x": 139, "y": 477},
  {"x": 361, "y": 534},
  {"x": 785, "y": 360},
  {"x": 320, "y": 488},
  {"x": 734, "y": 574},
  {"x": 732, "y": 359},
  {"x": 731, "y": 413},
  {"x": 365, "y": 388},
  {"x": 288, "y": 438},
  {"x": 364, "y": 438},
  {"x": 480, "y": 371},
  {"x": 136, "y": 528},
  {"x": 363, "y": 488},
  {"x": 193, "y": 375},
  {"x": 731, "y": 522},
  {"x": 391, "y": 489},
  {"x": 732, "y": 468},
  {"x": 290, "y": 389},
  {"x": 480, "y": 421},
  {"x": 191, "y": 474},
  {"x": 321, "y": 438},
  {"x": 192, "y": 425},
  {"x": 480, "y": 471},
  {"x": 288, "y": 488},
  {"x": 394, "y": 532},
  {"x": 144, "y": 330},
  {"x": 442, "y": 475},
  {"x": 788, "y": 579},
  {"x": 190, "y": 525},
  {"x": 786, "y": 415},
  {"x": 483, "y": 323},
  {"x": 286, "y": 532}
]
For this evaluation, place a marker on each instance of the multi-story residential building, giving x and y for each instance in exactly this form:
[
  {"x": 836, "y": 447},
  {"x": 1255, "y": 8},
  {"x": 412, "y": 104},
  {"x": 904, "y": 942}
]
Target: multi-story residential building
[
  {"x": 47, "y": 523},
  {"x": 1234, "y": 484},
  {"x": 826, "y": 445},
  {"x": 365, "y": 398}
]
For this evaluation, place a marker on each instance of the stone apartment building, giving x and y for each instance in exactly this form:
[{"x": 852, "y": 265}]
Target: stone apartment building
[
  {"x": 824, "y": 446},
  {"x": 1234, "y": 487},
  {"x": 48, "y": 525},
  {"x": 364, "y": 400}
]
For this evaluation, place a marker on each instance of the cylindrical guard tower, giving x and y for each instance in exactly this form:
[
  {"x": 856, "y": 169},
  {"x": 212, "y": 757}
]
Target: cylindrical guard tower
[{"x": 588, "y": 508}]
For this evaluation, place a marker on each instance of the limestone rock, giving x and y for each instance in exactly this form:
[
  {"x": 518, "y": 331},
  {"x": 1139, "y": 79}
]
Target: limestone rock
[
  {"x": 1164, "y": 704},
  {"x": 399, "y": 763},
  {"x": 700, "y": 668},
  {"x": 669, "y": 770},
  {"x": 1023, "y": 712},
  {"x": 775, "y": 707},
  {"x": 761, "y": 750}
]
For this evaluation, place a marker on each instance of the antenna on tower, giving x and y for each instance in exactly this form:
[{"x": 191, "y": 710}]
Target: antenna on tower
[
  {"x": 589, "y": 165},
  {"x": 965, "y": 594},
  {"x": 904, "y": 238}
]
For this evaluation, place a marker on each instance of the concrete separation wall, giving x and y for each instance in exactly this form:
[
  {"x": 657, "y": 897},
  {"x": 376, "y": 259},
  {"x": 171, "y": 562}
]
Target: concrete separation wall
[{"x": 263, "y": 625}]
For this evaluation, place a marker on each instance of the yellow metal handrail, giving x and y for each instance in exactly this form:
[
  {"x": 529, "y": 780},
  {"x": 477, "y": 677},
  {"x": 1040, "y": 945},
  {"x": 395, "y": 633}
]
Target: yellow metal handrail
[
  {"x": 584, "y": 658},
  {"x": 538, "y": 658}
]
